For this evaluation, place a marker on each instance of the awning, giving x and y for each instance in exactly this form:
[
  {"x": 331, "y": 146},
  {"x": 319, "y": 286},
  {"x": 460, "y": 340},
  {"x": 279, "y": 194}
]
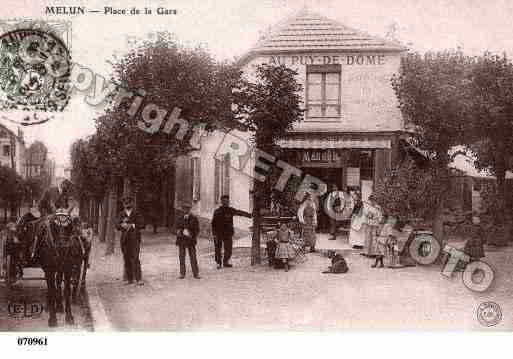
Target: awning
[{"x": 326, "y": 143}]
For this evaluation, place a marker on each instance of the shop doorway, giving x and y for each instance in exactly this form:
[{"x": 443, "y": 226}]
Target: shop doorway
[{"x": 332, "y": 177}]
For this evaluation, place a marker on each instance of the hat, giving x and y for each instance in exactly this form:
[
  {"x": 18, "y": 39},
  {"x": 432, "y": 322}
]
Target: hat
[{"x": 127, "y": 200}]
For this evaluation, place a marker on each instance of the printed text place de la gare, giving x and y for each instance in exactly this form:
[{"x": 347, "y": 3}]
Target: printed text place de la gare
[{"x": 107, "y": 10}]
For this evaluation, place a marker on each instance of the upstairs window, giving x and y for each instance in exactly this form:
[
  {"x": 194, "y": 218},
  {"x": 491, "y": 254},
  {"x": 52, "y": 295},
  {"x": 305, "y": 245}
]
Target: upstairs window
[
  {"x": 323, "y": 92},
  {"x": 6, "y": 150}
]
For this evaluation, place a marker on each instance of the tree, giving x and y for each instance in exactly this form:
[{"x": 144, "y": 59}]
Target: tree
[
  {"x": 12, "y": 189},
  {"x": 491, "y": 132},
  {"x": 433, "y": 98},
  {"x": 269, "y": 108},
  {"x": 170, "y": 75},
  {"x": 34, "y": 187},
  {"x": 86, "y": 175},
  {"x": 410, "y": 192}
]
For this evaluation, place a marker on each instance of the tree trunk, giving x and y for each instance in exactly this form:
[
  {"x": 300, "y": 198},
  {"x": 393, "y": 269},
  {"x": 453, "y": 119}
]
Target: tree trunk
[
  {"x": 165, "y": 198},
  {"x": 438, "y": 225},
  {"x": 255, "y": 238},
  {"x": 102, "y": 223},
  {"x": 13, "y": 147},
  {"x": 96, "y": 214},
  {"x": 110, "y": 231},
  {"x": 501, "y": 223}
]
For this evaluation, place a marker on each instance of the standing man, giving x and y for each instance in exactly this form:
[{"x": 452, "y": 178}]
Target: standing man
[
  {"x": 186, "y": 238},
  {"x": 130, "y": 224},
  {"x": 222, "y": 229},
  {"x": 337, "y": 207}
]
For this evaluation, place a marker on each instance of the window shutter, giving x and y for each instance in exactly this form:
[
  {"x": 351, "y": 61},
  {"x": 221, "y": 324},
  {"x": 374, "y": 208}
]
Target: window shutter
[
  {"x": 217, "y": 180},
  {"x": 226, "y": 177}
]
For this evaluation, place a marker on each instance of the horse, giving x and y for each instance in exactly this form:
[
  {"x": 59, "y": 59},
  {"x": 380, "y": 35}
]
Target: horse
[{"x": 60, "y": 253}]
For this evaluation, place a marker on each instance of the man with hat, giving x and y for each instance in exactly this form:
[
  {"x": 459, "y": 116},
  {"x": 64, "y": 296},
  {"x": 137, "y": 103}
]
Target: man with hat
[
  {"x": 222, "y": 229},
  {"x": 186, "y": 239},
  {"x": 130, "y": 224}
]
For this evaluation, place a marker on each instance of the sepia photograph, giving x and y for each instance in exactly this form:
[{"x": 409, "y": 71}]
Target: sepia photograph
[{"x": 253, "y": 167}]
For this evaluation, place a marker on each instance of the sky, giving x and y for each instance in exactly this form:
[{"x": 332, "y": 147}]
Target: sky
[{"x": 229, "y": 28}]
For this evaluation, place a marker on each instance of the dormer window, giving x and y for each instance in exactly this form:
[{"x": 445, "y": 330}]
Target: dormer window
[{"x": 323, "y": 92}]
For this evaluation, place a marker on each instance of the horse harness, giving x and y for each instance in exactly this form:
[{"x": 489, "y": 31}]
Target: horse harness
[{"x": 66, "y": 239}]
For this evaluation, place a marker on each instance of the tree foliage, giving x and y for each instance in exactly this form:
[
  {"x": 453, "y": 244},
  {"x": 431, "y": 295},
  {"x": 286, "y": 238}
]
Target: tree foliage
[
  {"x": 432, "y": 90},
  {"x": 170, "y": 75},
  {"x": 12, "y": 188},
  {"x": 410, "y": 192},
  {"x": 87, "y": 177},
  {"x": 269, "y": 107},
  {"x": 491, "y": 135}
]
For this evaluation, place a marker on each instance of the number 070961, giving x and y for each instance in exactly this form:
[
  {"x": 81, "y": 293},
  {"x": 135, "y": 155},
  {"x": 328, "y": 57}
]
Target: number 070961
[{"x": 32, "y": 341}]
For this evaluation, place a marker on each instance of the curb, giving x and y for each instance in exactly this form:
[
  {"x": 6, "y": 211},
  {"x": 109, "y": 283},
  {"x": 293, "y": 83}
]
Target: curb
[{"x": 99, "y": 317}]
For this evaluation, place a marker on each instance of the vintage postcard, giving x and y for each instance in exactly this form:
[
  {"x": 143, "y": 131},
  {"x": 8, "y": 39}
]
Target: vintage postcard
[{"x": 317, "y": 165}]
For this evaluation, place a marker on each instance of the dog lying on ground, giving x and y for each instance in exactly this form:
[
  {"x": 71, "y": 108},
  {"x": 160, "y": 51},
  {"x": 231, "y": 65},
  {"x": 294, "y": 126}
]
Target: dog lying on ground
[{"x": 338, "y": 264}]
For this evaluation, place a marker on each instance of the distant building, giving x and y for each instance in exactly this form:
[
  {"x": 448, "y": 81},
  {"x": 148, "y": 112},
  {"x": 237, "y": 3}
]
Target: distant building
[
  {"x": 12, "y": 149},
  {"x": 35, "y": 159}
]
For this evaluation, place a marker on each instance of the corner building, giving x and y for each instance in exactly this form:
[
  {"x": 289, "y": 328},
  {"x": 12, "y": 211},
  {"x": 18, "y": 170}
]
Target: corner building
[{"x": 352, "y": 128}]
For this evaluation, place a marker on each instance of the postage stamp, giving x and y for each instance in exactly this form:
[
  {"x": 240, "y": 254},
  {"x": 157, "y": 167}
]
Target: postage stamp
[{"x": 35, "y": 65}]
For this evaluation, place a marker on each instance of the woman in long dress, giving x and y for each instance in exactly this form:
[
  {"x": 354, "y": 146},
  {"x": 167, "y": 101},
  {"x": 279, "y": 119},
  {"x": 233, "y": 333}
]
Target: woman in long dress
[
  {"x": 307, "y": 215},
  {"x": 374, "y": 216},
  {"x": 358, "y": 226}
]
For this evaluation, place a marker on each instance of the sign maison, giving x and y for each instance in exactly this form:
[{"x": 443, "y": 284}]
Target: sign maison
[{"x": 349, "y": 59}]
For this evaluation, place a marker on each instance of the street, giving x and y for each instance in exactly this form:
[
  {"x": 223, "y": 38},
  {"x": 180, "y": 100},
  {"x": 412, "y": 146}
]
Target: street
[
  {"x": 34, "y": 292},
  {"x": 262, "y": 298}
]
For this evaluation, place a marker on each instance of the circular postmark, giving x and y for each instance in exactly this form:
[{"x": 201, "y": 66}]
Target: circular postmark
[
  {"x": 35, "y": 69},
  {"x": 489, "y": 314}
]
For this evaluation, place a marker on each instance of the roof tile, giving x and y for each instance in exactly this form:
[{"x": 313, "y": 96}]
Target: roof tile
[{"x": 311, "y": 31}]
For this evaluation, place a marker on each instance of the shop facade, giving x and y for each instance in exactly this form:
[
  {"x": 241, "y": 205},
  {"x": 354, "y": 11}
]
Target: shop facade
[{"x": 350, "y": 133}]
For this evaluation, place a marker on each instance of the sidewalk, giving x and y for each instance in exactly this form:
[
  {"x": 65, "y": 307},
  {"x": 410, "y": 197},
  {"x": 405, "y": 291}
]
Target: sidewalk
[
  {"x": 323, "y": 243},
  {"x": 249, "y": 297}
]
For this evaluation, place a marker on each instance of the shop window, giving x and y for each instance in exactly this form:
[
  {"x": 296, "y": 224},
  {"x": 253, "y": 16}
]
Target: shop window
[
  {"x": 367, "y": 165},
  {"x": 196, "y": 178},
  {"x": 6, "y": 150},
  {"x": 323, "y": 91},
  {"x": 221, "y": 178},
  {"x": 362, "y": 162}
]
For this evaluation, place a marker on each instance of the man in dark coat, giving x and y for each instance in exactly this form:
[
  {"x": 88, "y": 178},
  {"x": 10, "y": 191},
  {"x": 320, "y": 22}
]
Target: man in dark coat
[
  {"x": 186, "y": 239},
  {"x": 130, "y": 224},
  {"x": 222, "y": 229}
]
